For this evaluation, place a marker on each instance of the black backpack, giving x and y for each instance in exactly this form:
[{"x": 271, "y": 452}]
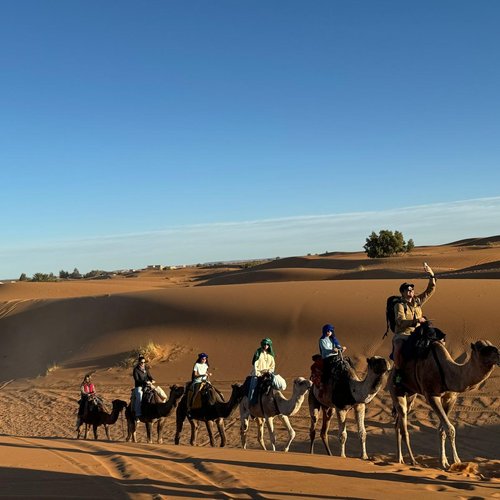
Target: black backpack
[{"x": 390, "y": 314}]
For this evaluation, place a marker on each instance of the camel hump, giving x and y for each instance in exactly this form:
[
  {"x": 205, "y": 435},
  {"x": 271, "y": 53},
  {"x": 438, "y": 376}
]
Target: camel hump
[{"x": 213, "y": 395}]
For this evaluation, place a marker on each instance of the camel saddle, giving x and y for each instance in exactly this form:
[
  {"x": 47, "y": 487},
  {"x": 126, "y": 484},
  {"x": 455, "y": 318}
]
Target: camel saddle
[
  {"x": 420, "y": 341},
  {"x": 339, "y": 372},
  {"x": 264, "y": 384},
  {"x": 207, "y": 394},
  {"x": 316, "y": 370}
]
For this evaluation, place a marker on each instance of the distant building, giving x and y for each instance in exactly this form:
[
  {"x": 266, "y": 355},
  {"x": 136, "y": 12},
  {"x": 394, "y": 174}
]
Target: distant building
[{"x": 156, "y": 266}]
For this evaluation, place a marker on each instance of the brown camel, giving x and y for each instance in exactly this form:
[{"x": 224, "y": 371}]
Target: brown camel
[
  {"x": 208, "y": 413},
  {"x": 99, "y": 417},
  {"x": 439, "y": 379},
  {"x": 151, "y": 413},
  {"x": 346, "y": 392},
  {"x": 270, "y": 405}
]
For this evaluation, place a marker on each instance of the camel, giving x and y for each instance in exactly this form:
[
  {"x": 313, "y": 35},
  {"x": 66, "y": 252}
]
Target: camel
[
  {"x": 208, "y": 413},
  {"x": 270, "y": 405},
  {"x": 439, "y": 379},
  {"x": 151, "y": 413},
  {"x": 100, "y": 417},
  {"x": 346, "y": 393}
]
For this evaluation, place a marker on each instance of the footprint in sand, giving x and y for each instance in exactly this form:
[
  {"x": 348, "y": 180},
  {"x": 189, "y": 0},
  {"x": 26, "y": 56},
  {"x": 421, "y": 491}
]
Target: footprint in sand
[{"x": 436, "y": 488}]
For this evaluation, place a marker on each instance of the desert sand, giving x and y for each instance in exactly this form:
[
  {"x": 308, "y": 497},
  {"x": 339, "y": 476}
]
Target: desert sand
[{"x": 52, "y": 334}]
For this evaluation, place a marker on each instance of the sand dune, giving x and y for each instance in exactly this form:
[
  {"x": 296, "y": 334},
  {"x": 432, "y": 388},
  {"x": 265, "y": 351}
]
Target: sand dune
[{"x": 53, "y": 333}]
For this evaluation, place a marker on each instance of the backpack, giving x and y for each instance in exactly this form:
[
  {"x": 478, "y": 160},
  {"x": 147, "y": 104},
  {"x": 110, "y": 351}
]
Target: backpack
[{"x": 390, "y": 314}]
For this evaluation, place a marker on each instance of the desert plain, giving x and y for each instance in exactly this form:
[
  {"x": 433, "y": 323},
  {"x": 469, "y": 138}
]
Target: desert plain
[{"x": 52, "y": 334}]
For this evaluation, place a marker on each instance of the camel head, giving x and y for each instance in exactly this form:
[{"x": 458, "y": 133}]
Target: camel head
[
  {"x": 488, "y": 354},
  {"x": 176, "y": 391},
  {"x": 119, "y": 405},
  {"x": 301, "y": 385},
  {"x": 378, "y": 365},
  {"x": 239, "y": 391}
]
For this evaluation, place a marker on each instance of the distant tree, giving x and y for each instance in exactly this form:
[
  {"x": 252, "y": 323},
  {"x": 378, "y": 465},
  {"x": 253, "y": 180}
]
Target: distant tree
[
  {"x": 96, "y": 273},
  {"x": 23, "y": 277},
  {"x": 43, "y": 277},
  {"x": 75, "y": 274},
  {"x": 386, "y": 244},
  {"x": 63, "y": 274}
]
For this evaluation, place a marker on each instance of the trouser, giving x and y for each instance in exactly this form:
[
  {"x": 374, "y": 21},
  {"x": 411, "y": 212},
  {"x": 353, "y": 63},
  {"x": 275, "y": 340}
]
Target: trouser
[
  {"x": 138, "y": 401},
  {"x": 192, "y": 393},
  {"x": 252, "y": 394}
]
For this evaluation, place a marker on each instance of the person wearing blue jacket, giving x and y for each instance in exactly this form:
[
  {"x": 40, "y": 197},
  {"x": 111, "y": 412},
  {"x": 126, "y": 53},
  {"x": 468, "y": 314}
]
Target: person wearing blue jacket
[{"x": 330, "y": 348}]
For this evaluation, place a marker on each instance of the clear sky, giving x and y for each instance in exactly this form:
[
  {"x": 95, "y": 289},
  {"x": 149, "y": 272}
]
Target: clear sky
[{"x": 175, "y": 132}]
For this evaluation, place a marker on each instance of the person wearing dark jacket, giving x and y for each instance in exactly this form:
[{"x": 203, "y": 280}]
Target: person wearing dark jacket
[{"x": 142, "y": 379}]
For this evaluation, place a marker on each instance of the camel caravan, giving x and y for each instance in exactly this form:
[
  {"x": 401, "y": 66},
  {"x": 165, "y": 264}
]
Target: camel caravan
[{"x": 421, "y": 365}]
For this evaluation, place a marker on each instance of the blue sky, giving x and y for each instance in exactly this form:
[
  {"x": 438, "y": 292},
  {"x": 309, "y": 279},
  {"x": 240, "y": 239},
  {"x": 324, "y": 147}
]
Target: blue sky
[{"x": 189, "y": 131}]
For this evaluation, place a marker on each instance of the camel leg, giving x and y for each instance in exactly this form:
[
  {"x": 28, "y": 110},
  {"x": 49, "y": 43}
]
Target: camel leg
[
  {"x": 401, "y": 405},
  {"x": 314, "y": 409},
  {"x": 359, "y": 411},
  {"x": 106, "y": 430},
  {"x": 341, "y": 419},
  {"x": 222, "y": 431},
  {"x": 78, "y": 427},
  {"x": 194, "y": 431},
  {"x": 159, "y": 430},
  {"x": 291, "y": 432},
  {"x": 260, "y": 432},
  {"x": 85, "y": 432},
  {"x": 270, "y": 427},
  {"x": 448, "y": 401},
  {"x": 446, "y": 428},
  {"x": 327, "y": 417},
  {"x": 244, "y": 422},
  {"x": 149, "y": 431},
  {"x": 179, "y": 422},
  {"x": 210, "y": 431},
  {"x": 131, "y": 430},
  {"x": 94, "y": 427}
]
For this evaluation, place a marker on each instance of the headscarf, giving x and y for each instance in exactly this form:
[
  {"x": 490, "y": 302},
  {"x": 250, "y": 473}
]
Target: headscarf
[
  {"x": 328, "y": 328},
  {"x": 260, "y": 350}
]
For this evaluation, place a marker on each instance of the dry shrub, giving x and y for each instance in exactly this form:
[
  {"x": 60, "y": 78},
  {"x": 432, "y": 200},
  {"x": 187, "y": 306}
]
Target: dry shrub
[
  {"x": 52, "y": 368},
  {"x": 151, "y": 351},
  {"x": 466, "y": 468}
]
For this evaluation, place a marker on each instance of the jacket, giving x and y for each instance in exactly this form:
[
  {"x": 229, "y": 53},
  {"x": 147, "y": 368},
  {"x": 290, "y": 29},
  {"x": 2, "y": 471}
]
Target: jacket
[
  {"x": 141, "y": 377},
  {"x": 407, "y": 313}
]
